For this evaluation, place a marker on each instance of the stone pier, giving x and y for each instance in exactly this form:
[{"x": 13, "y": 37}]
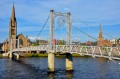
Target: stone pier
[
  {"x": 69, "y": 62},
  {"x": 10, "y": 55},
  {"x": 17, "y": 56},
  {"x": 51, "y": 63}
]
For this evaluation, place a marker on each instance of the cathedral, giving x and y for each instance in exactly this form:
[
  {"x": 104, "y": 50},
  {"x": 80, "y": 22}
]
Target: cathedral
[{"x": 14, "y": 39}]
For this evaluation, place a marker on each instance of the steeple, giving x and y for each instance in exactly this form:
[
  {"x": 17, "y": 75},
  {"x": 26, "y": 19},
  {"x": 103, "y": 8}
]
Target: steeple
[
  {"x": 13, "y": 13},
  {"x": 100, "y": 38}
]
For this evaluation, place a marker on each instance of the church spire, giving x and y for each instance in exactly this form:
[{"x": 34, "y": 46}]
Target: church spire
[
  {"x": 100, "y": 38},
  {"x": 13, "y": 12}
]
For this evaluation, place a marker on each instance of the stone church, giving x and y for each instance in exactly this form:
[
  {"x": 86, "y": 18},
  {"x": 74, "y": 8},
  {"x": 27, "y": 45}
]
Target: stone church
[
  {"x": 14, "y": 39},
  {"x": 101, "y": 41}
]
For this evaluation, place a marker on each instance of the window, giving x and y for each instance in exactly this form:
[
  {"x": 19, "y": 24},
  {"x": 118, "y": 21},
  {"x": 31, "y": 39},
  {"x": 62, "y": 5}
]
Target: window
[
  {"x": 13, "y": 32},
  {"x": 21, "y": 42}
]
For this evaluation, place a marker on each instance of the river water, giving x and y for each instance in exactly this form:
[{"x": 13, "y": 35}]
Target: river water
[{"x": 36, "y": 68}]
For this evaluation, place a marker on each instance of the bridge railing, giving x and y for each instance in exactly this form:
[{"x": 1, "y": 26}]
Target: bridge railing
[{"x": 83, "y": 50}]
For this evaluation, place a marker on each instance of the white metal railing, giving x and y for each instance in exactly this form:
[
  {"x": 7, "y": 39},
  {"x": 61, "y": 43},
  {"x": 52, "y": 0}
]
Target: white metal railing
[{"x": 107, "y": 52}]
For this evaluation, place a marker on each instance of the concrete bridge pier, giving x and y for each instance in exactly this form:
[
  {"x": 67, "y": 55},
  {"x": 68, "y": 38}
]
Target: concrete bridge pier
[
  {"x": 69, "y": 62},
  {"x": 10, "y": 55},
  {"x": 17, "y": 56},
  {"x": 51, "y": 63}
]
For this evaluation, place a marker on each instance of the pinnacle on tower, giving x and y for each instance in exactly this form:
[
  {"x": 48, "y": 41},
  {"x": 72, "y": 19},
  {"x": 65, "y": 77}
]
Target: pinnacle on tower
[{"x": 13, "y": 13}]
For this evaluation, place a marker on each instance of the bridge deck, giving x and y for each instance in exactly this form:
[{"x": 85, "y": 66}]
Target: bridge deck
[{"x": 106, "y": 52}]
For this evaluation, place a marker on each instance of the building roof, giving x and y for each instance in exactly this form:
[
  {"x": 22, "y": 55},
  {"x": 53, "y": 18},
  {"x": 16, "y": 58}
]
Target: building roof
[{"x": 20, "y": 35}]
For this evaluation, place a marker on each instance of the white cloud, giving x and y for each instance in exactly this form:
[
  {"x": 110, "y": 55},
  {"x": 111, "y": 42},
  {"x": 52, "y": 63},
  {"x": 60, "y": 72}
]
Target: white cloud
[{"x": 33, "y": 38}]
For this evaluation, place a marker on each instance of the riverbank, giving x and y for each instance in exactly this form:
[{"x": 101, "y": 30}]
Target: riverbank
[
  {"x": 1, "y": 56},
  {"x": 27, "y": 55}
]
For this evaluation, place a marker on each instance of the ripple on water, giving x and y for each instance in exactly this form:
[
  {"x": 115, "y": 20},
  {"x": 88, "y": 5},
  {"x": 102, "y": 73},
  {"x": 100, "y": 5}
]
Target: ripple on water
[{"x": 36, "y": 68}]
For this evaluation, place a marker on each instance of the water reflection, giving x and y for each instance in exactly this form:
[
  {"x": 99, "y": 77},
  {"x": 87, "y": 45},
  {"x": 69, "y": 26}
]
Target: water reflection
[
  {"x": 69, "y": 74},
  {"x": 51, "y": 75},
  {"x": 102, "y": 67}
]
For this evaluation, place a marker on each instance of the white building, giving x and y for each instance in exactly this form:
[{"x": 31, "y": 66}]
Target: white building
[{"x": 115, "y": 41}]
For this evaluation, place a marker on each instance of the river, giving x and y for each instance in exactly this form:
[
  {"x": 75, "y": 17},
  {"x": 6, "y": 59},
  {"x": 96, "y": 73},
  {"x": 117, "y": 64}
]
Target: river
[{"x": 36, "y": 68}]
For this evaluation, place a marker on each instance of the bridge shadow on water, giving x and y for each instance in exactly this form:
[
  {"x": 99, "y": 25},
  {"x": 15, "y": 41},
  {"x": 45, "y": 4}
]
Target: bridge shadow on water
[{"x": 34, "y": 72}]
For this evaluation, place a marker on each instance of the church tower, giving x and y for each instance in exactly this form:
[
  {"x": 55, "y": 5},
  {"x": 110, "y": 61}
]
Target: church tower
[
  {"x": 100, "y": 38},
  {"x": 12, "y": 29}
]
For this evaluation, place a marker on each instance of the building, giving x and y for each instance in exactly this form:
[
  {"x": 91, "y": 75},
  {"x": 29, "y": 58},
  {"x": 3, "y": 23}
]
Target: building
[
  {"x": 115, "y": 42},
  {"x": 88, "y": 43},
  {"x": 101, "y": 41},
  {"x": 13, "y": 38},
  {"x": 1, "y": 44},
  {"x": 23, "y": 41}
]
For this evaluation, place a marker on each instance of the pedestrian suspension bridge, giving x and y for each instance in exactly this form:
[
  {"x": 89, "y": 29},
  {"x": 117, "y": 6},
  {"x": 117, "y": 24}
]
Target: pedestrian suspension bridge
[{"x": 68, "y": 48}]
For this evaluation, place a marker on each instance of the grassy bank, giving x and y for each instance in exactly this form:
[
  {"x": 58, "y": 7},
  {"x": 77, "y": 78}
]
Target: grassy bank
[
  {"x": 45, "y": 55},
  {"x": 34, "y": 55},
  {"x": 27, "y": 55},
  {"x": 0, "y": 55}
]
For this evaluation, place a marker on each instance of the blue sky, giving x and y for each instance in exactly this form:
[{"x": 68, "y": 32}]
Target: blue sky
[{"x": 86, "y": 15}]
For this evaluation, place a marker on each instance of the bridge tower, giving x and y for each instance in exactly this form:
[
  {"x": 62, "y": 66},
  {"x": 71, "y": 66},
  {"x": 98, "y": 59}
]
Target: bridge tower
[{"x": 51, "y": 51}]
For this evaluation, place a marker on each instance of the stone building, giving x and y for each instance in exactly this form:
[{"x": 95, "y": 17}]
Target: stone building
[
  {"x": 23, "y": 41},
  {"x": 88, "y": 43},
  {"x": 13, "y": 38},
  {"x": 101, "y": 41}
]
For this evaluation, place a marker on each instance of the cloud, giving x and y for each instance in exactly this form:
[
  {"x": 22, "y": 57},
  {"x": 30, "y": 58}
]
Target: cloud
[
  {"x": 33, "y": 38},
  {"x": 66, "y": 10}
]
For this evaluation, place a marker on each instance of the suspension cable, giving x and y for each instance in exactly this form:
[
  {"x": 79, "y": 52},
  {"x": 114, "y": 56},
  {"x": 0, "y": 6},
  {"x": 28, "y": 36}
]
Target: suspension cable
[
  {"x": 57, "y": 28},
  {"x": 87, "y": 34},
  {"x": 42, "y": 27},
  {"x": 84, "y": 33},
  {"x": 109, "y": 35},
  {"x": 88, "y": 26}
]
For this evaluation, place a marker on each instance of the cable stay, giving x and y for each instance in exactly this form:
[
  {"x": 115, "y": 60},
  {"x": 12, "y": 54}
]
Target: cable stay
[
  {"x": 80, "y": 21},
  {"x": 84, "y": 33},
  {"x": 88, "y": 26},
  {"x": 109, "y": 35},
  {"x": 42, "y": 27}
]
